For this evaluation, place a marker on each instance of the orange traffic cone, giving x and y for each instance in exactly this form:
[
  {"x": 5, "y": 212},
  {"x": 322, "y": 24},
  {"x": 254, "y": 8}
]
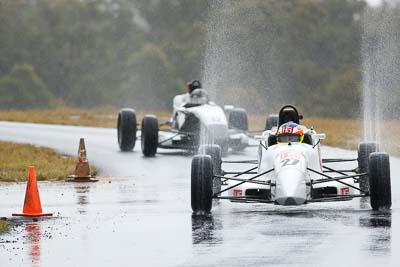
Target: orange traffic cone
[
  {"x": 82, "y": 169},
  {"x": 32, "y": 205}
]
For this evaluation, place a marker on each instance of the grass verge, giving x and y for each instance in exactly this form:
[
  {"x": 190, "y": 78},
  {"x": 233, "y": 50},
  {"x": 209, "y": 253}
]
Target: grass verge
[
  {"x": 4, "y": 226},
  {"x": 101, "y": 117},
  {"x": 97, "y": 117},
  {"x": 16, "y": 158}
]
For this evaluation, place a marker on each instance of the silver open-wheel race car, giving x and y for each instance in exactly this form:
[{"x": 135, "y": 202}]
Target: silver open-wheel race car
[
  {"x": 199, "y": 121},
  {"x": 291, "y": 173}
]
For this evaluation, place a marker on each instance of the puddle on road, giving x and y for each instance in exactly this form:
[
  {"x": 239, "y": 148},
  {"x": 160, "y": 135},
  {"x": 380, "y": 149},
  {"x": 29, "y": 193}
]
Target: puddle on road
[
  {"x": 82, "y": 193},
  {"x": 25, "y": 238},
  {"x": 350, "y": 228},
  {"x": 32, "y": 239}
]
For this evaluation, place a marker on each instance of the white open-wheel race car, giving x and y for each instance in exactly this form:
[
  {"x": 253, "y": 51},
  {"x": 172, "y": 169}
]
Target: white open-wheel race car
[
  {"x": 291, "y": 173},
  {"x": 199, "y": 121}
]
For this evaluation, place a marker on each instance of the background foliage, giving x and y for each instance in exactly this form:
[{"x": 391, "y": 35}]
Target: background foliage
[{"x": 139, "y": 53}]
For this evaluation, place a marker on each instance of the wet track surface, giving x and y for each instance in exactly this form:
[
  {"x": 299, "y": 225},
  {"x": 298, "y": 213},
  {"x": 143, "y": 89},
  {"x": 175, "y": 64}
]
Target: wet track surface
[{"x": 142, "y": 216}]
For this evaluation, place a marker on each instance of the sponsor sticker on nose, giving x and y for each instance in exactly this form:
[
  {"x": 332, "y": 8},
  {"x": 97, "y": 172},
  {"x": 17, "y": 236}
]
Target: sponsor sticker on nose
[
  {"x": 237, "y": 192},
  {"x": 345, "y": 191}
]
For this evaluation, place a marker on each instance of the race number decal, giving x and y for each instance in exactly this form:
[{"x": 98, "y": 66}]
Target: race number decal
[
  {"x": 290, "y": 158},
  {"x": 289, "y": 162},
  {"x": 287, "y": 129}
]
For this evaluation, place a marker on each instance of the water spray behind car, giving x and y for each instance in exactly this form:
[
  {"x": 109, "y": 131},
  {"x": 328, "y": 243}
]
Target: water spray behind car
[
  {"x": 240, "y": 60},
  {"x": 381, "y": 72}
]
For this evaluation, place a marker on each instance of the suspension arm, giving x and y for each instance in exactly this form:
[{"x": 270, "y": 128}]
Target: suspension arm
[
  {"x": 250, "y": 179},
  {"x": 336, "y": 180}
]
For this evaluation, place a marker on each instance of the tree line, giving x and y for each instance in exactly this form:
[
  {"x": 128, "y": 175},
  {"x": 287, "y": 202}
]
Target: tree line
[{"x": 88, "y": 53}]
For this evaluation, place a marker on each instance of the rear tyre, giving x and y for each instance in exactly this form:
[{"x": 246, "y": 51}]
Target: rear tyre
[
  {"x": 272, "y": 121},
  {"x": 237, "y": 119},
  {"x": 364, "y": 150},
  {"x": 379, "y": 181},
  {"x": 126, "y": 127},
  {"x": 202, "y": 184},
  {"x": 149, "y": 135}
]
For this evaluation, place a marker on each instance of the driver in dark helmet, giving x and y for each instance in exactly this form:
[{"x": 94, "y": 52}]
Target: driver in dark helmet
[
  {"x": 181, "y": 100},
  {"x": 192, "y": 85}
]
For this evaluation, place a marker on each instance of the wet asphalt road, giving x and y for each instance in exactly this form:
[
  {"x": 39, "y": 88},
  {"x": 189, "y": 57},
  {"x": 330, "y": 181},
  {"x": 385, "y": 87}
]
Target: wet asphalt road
[{"x": 142, "y": 216}]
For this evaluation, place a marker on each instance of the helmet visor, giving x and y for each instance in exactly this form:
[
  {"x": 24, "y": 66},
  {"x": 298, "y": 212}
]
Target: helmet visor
[{"x": 288, "y": 138}]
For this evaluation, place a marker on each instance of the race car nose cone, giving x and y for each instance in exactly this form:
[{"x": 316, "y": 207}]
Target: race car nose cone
[
  {"x": 290, "y": 187},
  {"x": 290, "y": 201}
]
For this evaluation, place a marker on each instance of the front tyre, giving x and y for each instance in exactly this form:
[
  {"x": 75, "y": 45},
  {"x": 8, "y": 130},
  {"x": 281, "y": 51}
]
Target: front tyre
[
  {"x": 202, "y": 184},
  {"x": 215, "y": 152},
  {"x": 379, "y": 181},
  {"x": 126, "y": 127},
  {"x": 149, "y": 135},
  {"x": 364, "y": 150}
]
